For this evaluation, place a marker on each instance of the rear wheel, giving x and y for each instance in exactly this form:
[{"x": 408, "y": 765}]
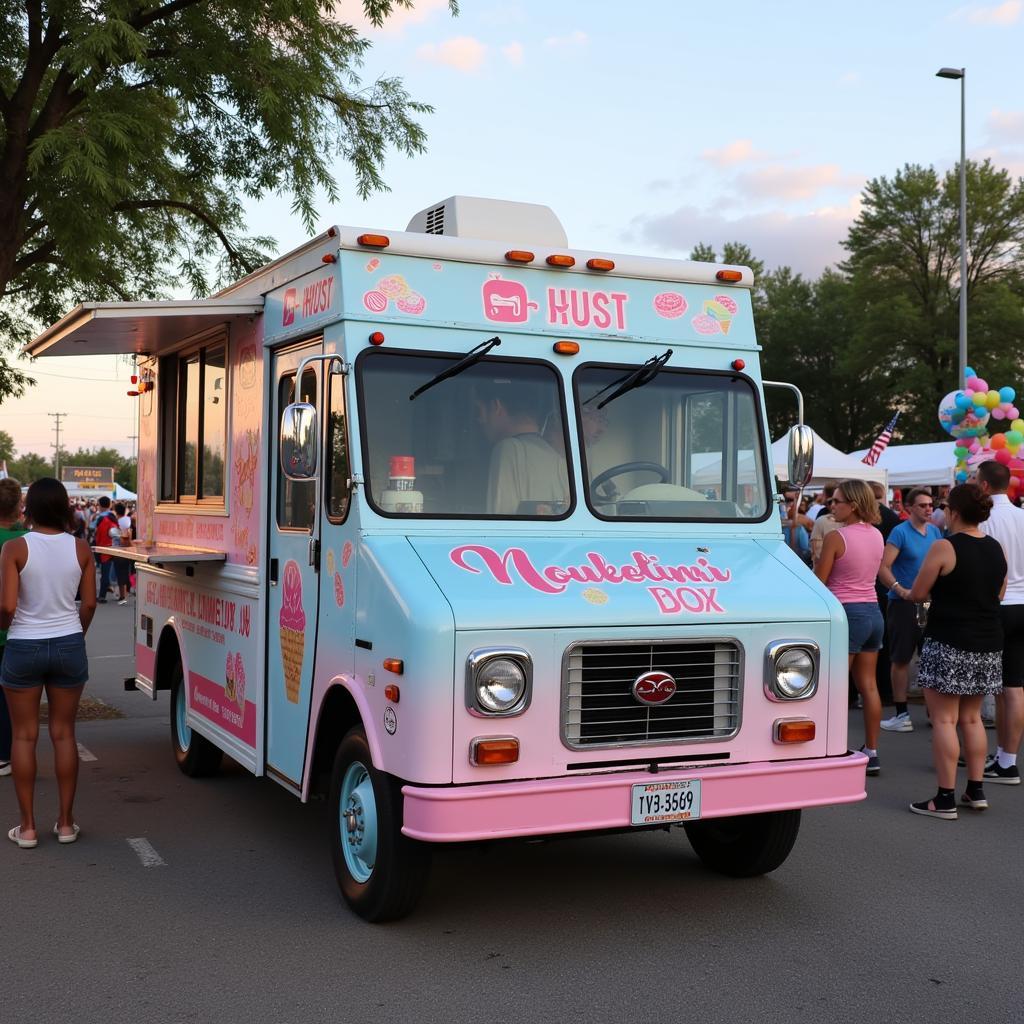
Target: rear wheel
[
  {"x": 751, "y": 844},
  {"x": 380, "y": 872},
  {"x": 195, "y": 754}
]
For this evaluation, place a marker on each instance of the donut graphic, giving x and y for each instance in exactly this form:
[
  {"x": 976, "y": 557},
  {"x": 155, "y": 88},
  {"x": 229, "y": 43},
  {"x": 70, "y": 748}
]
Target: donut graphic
[
  {"x": 375, "y": 301},
  {"x": 669, "y": 305}
]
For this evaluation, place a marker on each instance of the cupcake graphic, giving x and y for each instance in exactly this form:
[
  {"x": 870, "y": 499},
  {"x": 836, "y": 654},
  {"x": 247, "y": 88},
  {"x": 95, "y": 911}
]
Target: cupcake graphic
[
  {"x": 293, "y": 629},
  {"x": 229, "y": 677},
  {"x": 240, "y": 683}
]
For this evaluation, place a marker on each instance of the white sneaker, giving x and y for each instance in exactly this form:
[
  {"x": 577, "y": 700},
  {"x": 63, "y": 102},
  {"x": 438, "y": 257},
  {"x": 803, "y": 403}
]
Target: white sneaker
[
  {"x": 899, "y": 723},
  {"x": 122, "y": 602},
  {"x": 5, "y": 767}
]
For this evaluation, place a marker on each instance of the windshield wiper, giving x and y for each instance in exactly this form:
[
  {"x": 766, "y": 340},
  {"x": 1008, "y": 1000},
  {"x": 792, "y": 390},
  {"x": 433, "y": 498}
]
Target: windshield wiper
[
  {"x": 635, "y": 379},
  {"x": 474, "y": 355}
]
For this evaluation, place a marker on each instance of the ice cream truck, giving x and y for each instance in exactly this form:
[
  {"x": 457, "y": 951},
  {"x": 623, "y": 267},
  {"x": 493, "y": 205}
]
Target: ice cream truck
[{"x": 477, "y": 535}]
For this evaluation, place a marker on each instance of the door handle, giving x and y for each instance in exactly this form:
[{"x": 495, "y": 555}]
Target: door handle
[
  {"x": 314, "y": 553},
  {"x": 273, "y": 572}
]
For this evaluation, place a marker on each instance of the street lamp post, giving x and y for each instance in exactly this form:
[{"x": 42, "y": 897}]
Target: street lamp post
[{"x": 961, "y": 74}]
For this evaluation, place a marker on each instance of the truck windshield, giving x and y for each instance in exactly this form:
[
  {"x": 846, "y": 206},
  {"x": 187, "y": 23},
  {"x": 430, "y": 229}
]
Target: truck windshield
[
  {"x": 487, "y": 443},
  {"x": 685, "y": 446}
]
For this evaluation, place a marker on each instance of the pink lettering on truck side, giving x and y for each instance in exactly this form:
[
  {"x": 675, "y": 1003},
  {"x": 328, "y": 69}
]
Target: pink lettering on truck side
[{"x": 514, "y": 563}]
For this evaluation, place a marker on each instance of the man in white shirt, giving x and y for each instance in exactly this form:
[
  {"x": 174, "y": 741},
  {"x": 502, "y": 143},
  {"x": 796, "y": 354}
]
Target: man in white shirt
[
  {"x": 821, "y": 502},
  {"x": 1006, "y": 525}
]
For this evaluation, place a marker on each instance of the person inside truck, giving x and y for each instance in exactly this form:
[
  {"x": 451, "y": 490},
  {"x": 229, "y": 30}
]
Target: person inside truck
[{"x": 526, "y": 474}]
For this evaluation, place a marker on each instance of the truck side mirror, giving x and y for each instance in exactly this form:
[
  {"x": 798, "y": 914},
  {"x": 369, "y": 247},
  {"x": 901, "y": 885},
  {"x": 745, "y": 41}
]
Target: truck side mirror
[
  {"x": 298, "y": 452},
  {"x": 801, "y": 456}
]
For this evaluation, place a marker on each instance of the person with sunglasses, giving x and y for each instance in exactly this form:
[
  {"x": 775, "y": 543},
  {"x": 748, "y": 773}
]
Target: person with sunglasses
[
  {"x": 905, "y": 551},
  {"x": 848, "y": 566}
]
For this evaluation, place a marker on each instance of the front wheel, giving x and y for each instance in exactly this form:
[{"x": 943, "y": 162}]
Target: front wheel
[
  {"x": 380, "y": 872},
  {"x": 747, "y": 845},
  {"x": 195, "y": 754}
]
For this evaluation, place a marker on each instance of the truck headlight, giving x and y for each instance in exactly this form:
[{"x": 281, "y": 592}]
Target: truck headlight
[
  {"x": 791, "y": 670},
  {"x": 498, "y": 681}
]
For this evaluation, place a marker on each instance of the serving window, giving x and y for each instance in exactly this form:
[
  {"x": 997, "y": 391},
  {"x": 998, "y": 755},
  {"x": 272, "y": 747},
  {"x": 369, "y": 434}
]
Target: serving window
[{"x": 193, "y": 405}]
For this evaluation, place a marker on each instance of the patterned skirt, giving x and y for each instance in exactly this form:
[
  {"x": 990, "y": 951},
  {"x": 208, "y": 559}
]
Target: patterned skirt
[{"x": 960, "y": 673}]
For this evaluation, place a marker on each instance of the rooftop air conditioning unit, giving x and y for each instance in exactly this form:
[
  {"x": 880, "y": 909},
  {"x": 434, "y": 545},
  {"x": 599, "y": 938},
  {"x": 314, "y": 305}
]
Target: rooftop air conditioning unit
[{"x": 492, "y": 219}]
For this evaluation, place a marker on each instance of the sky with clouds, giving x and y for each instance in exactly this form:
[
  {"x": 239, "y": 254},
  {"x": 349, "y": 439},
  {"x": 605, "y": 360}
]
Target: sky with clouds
[{"x": 648, "y": 127}]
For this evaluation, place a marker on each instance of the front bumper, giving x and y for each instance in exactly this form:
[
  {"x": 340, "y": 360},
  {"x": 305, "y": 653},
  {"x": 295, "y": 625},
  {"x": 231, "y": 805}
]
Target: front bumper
[{"x": 455, "y": 814}]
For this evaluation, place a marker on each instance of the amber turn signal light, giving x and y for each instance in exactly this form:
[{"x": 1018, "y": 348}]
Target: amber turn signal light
[
  {"x": 395, "y": 665},
  {"x": 729, "y": 275},
  {"x": 500, "y": 750},
  {"x": 519, "y": 256},
  {"x": 566, "y": 348},
  {"x": 794, "y": 730},
  {"x": 596, "y": 264},
  {"x": 392, "y": 693},
  {"x": 374, "y": 241},
  {"x": 328, "y": 258},
  {"x": 556, "y": 260}
]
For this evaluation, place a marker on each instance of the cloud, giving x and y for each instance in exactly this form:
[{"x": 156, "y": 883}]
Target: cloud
[
  {"x": 790, "y": 183},
  {"x": 1006, "y": 127},
  {"x": 850, "y": 78},
  {"x": 1002, "y": 14},
  {"x": 350, "y": 12},
  {"x": 806, "y": 242},
  {"x": 573, "y": 41},
  {"x": 739, "y": 152},
  {"x": 464, "y": 53},
  {"x": 513, "y": 53}
]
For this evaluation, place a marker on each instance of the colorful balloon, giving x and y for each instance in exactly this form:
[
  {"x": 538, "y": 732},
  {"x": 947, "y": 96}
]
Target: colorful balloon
[{"x": 1007, "y": 395}]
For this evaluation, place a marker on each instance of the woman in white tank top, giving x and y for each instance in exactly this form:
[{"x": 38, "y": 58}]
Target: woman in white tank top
[{"x": 40, "y": 575}]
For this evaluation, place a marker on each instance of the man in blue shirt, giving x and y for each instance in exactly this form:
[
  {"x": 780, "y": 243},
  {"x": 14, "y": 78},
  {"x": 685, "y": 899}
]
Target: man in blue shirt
[
  {"x": 905, "y": 549},
  {"x": 796, "y": 526}
]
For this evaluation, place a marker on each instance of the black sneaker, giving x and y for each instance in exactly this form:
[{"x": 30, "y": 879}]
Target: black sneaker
[
  {"x": 975, "y": 801},
  {"x": 1003, "y": 776},
  {"x": 946, "y": 813},
  {"x": 874, "y": 765}
]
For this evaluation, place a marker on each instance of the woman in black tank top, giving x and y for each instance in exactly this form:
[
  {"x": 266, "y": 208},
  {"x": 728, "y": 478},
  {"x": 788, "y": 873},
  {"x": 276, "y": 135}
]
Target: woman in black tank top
[{"x": 961, "y": 658}]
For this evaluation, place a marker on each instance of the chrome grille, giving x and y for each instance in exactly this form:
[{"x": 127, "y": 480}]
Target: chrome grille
[{"x": 599, "y": 709}]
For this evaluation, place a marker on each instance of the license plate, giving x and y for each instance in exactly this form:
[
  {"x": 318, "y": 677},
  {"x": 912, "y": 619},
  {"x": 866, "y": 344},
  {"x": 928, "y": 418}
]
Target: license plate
[{"x": 655, "y": 803}]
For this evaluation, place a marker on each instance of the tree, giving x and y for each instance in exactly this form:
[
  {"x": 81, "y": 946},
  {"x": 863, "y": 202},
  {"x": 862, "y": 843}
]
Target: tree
[
  {"x": 131, "y": 131},
  {"x": 28, "y": 468},
  {"x": 904, "y": 265},
  {"x": 6, "y": 446}
]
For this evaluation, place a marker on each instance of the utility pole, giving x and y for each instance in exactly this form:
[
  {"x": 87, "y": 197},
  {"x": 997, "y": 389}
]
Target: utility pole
[{"x": 56, "y": 447}]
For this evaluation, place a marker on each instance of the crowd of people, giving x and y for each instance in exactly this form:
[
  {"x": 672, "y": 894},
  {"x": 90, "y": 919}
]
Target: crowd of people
[{"x": 943, "y": 575}]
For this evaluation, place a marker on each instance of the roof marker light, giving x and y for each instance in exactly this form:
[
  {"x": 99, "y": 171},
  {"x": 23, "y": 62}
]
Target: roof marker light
[
  {"x": 374, "y": 241},
  {"x": 738, "y": 364},
  {"x": 729, "y": 275},
  {"x": 566, "y": 348},
  {"x": 519, "y": 256},
  {"x": 377, "y": 338},
  {"x": 558, "y": 260},
  {"x": 596, "y": 264},
  {"x": 328, "y": 258}
]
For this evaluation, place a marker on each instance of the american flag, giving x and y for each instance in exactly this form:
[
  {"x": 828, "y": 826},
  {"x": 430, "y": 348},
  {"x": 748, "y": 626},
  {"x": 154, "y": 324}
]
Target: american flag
[{"x": 880, "y": 442}]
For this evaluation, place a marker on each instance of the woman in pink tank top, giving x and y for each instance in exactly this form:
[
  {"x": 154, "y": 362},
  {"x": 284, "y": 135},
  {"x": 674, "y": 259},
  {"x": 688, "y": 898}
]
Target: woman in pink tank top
[{"x": 849, "y": 563}]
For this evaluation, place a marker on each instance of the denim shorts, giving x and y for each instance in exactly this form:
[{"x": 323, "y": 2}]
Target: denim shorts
[
  {"x": 59, "y": 661},
  {"x": 866, "y": 626}
]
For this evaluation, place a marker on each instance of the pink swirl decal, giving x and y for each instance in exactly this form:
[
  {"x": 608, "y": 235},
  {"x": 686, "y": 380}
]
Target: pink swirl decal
[{"x": 292, "y": 614}]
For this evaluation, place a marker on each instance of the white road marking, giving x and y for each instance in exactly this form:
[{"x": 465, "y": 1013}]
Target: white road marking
[
  {"x": 149, "y": 857},
  {"x": 85, "y": 755}
]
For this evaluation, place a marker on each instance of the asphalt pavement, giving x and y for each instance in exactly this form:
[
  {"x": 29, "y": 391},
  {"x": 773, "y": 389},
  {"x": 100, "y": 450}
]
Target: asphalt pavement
[{"x": 202, "y": 900}]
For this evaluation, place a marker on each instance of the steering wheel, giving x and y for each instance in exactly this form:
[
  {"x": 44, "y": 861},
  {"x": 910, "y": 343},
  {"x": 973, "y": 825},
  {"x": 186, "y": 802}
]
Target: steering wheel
[{"x": 626, "y": 467}]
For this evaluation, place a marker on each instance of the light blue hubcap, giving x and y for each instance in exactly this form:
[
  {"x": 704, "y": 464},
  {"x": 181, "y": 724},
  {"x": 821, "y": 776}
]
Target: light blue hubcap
[
  {"x": 180, "y": 709},
  {"x": 357, "y": 820}
]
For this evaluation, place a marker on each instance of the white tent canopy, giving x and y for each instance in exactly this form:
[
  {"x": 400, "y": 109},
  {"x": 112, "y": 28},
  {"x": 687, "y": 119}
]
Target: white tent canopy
[
  {"x": 922, "y": 464},
  {"x": 829, "y": 463}
]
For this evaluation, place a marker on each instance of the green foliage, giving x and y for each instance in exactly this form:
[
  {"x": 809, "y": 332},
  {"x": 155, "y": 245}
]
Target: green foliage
[
  {"x": 6, "y": 446},
  {"x": 131, "y": 133}
]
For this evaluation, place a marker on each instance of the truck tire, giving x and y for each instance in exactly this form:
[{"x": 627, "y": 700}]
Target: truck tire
[
  {"x": 196, "y": 755},
  {"x": 380, "y": 872},
  {"x": 747, "y": 845}
]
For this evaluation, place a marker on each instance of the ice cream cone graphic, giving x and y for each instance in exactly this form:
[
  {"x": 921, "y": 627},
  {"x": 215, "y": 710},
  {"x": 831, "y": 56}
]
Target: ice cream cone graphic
[
  {"x": 229, "y": 677},
  {"x": 293, "y": 630},
  {"x": 240, "y": 684}
]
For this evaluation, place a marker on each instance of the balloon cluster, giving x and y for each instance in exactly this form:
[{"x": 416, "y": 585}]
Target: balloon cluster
[{"x": 966, "y": 415}]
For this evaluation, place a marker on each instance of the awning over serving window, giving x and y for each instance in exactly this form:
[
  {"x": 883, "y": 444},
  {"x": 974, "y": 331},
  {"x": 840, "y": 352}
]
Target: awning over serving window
[{"x": 122, "y": 328}]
